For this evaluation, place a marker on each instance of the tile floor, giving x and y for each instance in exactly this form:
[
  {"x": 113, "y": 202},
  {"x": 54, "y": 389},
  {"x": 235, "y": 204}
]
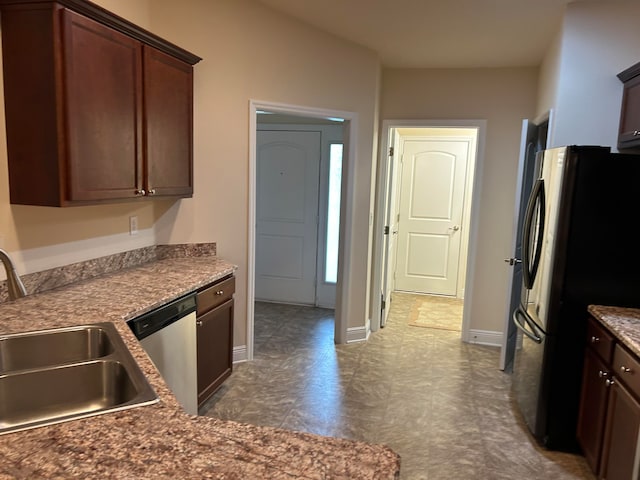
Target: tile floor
[{"x": 443, "y": 405}]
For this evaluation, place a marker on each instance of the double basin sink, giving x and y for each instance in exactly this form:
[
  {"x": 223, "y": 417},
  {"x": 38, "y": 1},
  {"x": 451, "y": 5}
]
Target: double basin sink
[{"x": 63, "y": 374}]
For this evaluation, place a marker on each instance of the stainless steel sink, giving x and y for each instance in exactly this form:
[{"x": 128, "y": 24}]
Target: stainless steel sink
[
  {"x": 64, "y": 374},
  {"x": 53, "y": 347}
]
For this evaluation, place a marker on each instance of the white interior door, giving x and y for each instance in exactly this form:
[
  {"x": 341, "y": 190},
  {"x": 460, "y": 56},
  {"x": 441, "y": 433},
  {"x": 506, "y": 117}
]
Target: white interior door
[
  {"x": 532, "y": 140},
  {"x": 391, "y": 227},
  {"x": 287, "y": 174},
  {"x": 526, "y": 174},
  {"x": 431, "y": 207}
]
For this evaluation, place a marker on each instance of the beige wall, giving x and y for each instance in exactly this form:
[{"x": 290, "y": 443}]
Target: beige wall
[
  {"x": 252, "y": 52},
  {"x": 503, "y": 97},
  {"x": 549, "y": 77},
  {"x": 598, "y": 41},
  {"x": 249, "y": 52}
]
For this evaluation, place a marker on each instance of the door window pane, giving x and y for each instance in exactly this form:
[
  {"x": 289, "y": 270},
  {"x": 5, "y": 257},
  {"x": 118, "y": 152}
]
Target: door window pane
[{"x": 333, "y": 213}]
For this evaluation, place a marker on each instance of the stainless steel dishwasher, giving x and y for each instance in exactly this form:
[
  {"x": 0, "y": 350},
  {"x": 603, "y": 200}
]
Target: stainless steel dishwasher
[{"x": 168, "y": 335}]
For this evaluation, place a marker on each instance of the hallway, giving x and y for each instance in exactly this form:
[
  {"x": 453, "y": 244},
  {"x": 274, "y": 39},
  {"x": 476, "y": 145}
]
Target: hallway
[{"x": 443, "y": 405}]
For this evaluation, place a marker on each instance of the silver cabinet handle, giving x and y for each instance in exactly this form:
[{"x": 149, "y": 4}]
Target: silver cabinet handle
[
  {"x": 220, "y": 292},
  {"x": 602, "y": 374},
  {"x": 140, "y": 192},
  {"x": 595, "y": 339},
  {"x": 199, "y": 323},
  {"x": 636, "y": 133},
  {"x": 608, "y": 382},
  {"x": 152, "y": 191},
  {"x": 624, "y": 369}
]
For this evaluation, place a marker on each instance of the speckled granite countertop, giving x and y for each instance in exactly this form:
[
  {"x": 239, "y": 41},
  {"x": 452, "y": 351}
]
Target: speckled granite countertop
[
  {"x": 161, "y": 441},
  {"x": 624, "y": 323}
]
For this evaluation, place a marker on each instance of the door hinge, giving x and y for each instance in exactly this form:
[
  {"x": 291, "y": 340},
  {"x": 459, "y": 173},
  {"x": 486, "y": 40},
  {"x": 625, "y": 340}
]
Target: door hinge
[
  {"x": 383, "y": 303},
  {"x": 391, "y": 150},
  {"x": 386, "y": 230}
]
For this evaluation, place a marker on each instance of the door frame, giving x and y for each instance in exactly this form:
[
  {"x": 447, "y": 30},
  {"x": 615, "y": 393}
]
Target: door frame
[
  {"x": 383, "y": 169},
  {"x": 346, "y": 209}
]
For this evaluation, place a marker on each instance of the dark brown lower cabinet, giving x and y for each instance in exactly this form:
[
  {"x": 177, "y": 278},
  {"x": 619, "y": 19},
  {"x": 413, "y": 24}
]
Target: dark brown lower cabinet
[
  {"x": 609, "y": 418},
  {"x": 214, "y": 336},
  {"x": 621, "y": 436},
  {"x": 593, "y": 408}
]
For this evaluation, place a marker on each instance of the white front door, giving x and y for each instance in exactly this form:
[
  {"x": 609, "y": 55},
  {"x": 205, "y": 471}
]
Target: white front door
[
  {"x": 288, "y": 165},
  {"x": 431, "y": 206}
]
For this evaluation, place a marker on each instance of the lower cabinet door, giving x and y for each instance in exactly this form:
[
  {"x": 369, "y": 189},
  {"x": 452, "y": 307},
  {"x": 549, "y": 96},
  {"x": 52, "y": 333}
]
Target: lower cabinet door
[
  {"x": 215, "y": 340},
  {"x": 621, "y": 435},
  {"x": 593, "y": 408}
]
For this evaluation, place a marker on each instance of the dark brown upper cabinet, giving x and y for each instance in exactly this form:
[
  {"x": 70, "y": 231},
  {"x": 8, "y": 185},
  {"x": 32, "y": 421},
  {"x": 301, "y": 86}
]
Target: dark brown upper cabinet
[
  {"x": 629, "y": 132},
  {"x": 97, "y": 109}
]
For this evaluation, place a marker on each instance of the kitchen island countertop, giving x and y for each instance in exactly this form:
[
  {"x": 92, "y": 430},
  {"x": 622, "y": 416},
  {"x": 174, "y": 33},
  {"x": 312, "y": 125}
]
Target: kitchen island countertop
[{"x": 161, "y": 441}]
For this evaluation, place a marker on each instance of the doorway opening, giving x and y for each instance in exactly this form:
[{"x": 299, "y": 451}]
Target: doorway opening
[
  {"x": 336, "y": 246},
  {"x": 427, "y": 193},
  {"x": 298, "y": 188}
]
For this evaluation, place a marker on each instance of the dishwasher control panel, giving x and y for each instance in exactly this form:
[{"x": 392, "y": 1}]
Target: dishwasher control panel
[{"x": 161, "y": 317}]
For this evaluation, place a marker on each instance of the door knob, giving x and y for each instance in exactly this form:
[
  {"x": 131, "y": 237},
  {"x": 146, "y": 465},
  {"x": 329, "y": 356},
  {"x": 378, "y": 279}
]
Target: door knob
[{"x": 455, "y": 228}]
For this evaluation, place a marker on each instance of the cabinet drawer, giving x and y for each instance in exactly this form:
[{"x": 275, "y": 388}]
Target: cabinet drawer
[
  {"x": 626, "y": 368},
  {"x": 215, "y": 295},
  {"x": 600, "y": 340}
]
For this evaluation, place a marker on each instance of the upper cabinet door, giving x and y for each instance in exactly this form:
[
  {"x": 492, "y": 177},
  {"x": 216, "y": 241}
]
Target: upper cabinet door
[
  {"x": 629, "y": 134},
  {"x": 102, "y": 84},
  {"x": 168, "y": 100},
  {"x": 77, "y": 81}
]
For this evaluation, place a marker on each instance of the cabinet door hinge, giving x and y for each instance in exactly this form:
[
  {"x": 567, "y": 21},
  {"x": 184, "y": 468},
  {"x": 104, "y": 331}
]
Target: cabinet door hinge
[
  {"x": 391, "y": 150},
  {"x": 386, "y": 230},
  {"x": 383, "y": 303}
]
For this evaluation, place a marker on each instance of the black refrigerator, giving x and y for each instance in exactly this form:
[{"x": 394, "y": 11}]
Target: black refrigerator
[{"x": 579, "y": 248}]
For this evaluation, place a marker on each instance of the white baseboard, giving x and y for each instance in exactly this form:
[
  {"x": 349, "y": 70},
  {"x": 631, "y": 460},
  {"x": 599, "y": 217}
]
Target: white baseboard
[
  {"x": 485, "y": 337},
  {"x": 357, "y": 334},
  {"x": 240, "y": 354}
]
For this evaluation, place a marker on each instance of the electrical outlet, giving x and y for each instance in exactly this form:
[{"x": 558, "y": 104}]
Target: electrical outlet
[{"x": 133, "y": 225}]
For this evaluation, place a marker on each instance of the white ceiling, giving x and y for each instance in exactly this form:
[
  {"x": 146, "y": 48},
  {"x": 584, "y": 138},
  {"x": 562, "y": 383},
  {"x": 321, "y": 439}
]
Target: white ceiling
[{"x": 438, "y": 33}]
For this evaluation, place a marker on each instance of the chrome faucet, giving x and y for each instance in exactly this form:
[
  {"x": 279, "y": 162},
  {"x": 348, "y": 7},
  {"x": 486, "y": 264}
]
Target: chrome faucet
[{"x": 14, "y": 284}]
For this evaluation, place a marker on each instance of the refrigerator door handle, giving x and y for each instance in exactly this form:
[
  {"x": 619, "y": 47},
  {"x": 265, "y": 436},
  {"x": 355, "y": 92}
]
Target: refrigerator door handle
[
  {"x": 520, "y": 318},
  {"x": 529, "y": 267}
]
